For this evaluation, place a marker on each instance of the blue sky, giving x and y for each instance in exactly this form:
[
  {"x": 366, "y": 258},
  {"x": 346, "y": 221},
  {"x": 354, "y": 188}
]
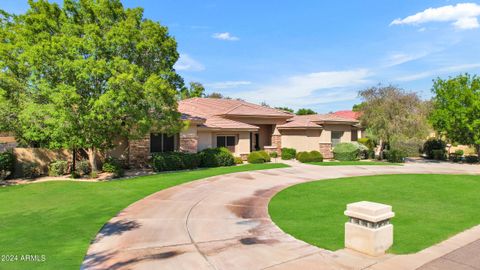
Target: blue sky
[{"x": 316, "y": 54}]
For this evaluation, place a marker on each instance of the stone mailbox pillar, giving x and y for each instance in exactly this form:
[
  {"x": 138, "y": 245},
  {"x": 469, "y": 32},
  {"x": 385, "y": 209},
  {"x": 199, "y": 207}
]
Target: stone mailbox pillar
[{"x": 368, "y": 229}]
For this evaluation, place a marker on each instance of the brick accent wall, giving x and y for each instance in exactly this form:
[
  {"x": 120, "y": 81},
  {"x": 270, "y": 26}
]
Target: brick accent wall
[
  {"x": 277, "y": 141},
  {"x": 188, "y": 143},
  {"x": 326, "y": 150},
  {"x": 139, "y": 152}
]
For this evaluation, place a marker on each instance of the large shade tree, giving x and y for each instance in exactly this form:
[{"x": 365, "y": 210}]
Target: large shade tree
[
  {"x": 82, "y": 74},
  {"x": 393, "y": 115},
  {"x": 456, "y": 109}
]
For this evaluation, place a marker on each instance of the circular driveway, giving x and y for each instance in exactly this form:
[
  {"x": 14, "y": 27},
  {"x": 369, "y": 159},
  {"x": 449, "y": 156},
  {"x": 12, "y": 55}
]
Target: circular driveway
[{"x": 222, "y": 222}]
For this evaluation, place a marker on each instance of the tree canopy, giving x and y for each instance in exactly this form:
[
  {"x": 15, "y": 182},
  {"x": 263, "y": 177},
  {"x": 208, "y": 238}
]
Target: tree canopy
[
  {"x": 394, "y": 115},
  {"x": 285, "y": 109},
  {"x": 456, "y": 109},
  {"x": 80, "y": 75},
  {"x": 196, "y": 89},
  {"x": 304, "y": 111}
]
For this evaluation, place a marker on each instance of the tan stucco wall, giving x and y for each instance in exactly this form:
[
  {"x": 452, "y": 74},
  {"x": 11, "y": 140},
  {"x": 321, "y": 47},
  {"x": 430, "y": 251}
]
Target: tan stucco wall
[
  {"x": 205, "y": 140},
  {"x": 347, "y": 135},
  {"x": 243, "y": 143},
  {"x": 302, "y": 140}
]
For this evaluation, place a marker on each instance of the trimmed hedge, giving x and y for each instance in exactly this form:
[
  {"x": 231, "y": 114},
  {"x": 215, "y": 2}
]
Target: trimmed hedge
[
  {"x": 216, "y": 157},
  {"x": 288, "y": 153},
  {"x": 434, "y": 144},
  {"x": 395, "y": 156},
  {"x": 174, "y": 161},
  {"x": 113, "y": 165},
  {"x": 7, "y": 161},
  {"x": 312, "y": 156},
  {"x": 256, "y": 157},
  {"x": 346, "y": 152},
  {"x": 58, "y": 168}
]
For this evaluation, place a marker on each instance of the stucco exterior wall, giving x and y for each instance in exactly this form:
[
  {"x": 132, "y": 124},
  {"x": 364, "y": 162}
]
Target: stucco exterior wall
[
  {"x": 205, "y": 140},
  {"x": 347, "y": 132},
  {"x": 302, "y": 140}
]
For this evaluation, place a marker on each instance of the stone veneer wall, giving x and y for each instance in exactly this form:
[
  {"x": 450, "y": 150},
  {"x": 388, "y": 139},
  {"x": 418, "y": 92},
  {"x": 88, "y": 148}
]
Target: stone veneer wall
[
  {"x": 277, "y": 141},
  {"x": 326, "y": 150},
  {"x": 139, "y": 152},
  {"x": 188, "y": 143}
]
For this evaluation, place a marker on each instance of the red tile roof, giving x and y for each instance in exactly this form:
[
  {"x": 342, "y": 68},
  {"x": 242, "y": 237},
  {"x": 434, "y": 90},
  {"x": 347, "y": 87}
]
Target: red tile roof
[
  {"x": 348, "y": 114},
  {"x": 315, "y": 121}
]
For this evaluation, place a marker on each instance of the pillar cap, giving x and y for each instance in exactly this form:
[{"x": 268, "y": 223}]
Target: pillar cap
[{"x": 370, "y": 211}]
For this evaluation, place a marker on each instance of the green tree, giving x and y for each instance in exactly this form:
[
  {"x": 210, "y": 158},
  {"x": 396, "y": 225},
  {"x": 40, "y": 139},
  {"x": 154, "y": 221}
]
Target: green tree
[
  {"x": 304, "y": 111},
  {"x": 216, "y": 95},
  {"x": 393, "y": 115},
  {"x": 285, "y": 109},
  {"x": 81, "y": 75},
  {"x": 358, "y": 107},
  {"x": 196, "y": 89},
  {"x": 456, "y": 109}
]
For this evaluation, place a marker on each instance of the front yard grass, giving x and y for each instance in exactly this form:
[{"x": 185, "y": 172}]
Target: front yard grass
[
  {"x": 428, "y": 208},
  {"x": 350, "y": 163},
  {"x": 58, "y": 219}
]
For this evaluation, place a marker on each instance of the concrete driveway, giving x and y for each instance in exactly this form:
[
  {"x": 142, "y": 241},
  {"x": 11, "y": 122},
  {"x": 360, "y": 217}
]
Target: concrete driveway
[{"x": 222, "y": 222}]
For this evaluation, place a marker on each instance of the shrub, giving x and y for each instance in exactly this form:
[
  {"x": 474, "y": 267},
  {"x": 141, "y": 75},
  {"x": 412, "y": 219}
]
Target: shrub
[
  {"x": 459, "y": 152},
  {"x": 434, "y": 144},
  {"x": 396, "y": 156},
  {"x": 303, "y": 156},
  {"x": 31, "y": 170},
  {"x": 265, "y": 155},
  {"x": 369, "y": 143},
  {"x": 371, "y": 154},
  {"x": 113, "y": 165},
  {"x": 82, "y": 168},
  {"x": 439, "y": 154},
  {"x": 257, "y": 157},
  {"x": 288, "y": 153},
  {"x": 174, "y": 161},
  {"x": 238, "y": 160},
  {"x": 471, "y": 159},
  {"x": 273, "y": 154},
  {"x": 7, "y": 161},
  {"x": 316, "y": 156},
  {"x": 411, "y": 147},
  {"x": 346, "y": 152},
  {"x": 57, "y": 168},
  {"x": 216, "y": 157}
]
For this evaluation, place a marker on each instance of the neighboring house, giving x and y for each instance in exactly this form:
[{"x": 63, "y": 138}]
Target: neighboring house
[
  {"x": 348, "y": 114},
  {"x": 243, "y": 127}
]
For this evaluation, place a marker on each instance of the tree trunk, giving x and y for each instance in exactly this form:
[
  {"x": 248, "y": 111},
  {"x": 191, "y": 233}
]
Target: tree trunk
[
  {"x": 74, "y": 159},
  {"x": 477, "y": 147},
  {"x": 379, "y": 152},
  {"x": 92, "y": 158}
]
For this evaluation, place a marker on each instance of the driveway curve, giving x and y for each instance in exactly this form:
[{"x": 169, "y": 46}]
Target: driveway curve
[{"x": 222, "y": 222}]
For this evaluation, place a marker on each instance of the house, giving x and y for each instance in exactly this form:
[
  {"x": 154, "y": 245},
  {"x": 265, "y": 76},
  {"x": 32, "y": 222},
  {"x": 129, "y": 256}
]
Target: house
[{"x": 244, "y": 127}]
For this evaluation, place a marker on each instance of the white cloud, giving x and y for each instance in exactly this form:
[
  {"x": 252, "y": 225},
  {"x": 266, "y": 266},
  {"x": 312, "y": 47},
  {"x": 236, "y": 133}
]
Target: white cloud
[
  {"x": 438, "y": 72},
  {"x": 225, "y": 36},
  {"x": 227, "y": 84},
  {"x": 187, "y": 63},
  {"x": 463, "y": 16},
  {"x": 309, "y": 89},
  {"x": 396, "y": 59}
]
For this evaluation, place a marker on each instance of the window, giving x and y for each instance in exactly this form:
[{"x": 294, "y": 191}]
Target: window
[
  {"x": 160, "y": 142},
  {"x": 225, "y": 141},
  {"x": 354, "y": 135},
  {"x": 336, "y": 137}
]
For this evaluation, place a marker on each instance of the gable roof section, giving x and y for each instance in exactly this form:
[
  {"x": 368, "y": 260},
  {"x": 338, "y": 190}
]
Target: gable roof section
[
  {"x": 315, "y": 121},
  {"x": 348, "y": 114},
  {"x": 217, "y": 122}
]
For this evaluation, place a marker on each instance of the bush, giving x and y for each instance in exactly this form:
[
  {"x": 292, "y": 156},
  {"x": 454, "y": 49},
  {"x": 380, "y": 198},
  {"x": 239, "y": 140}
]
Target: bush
[
  {"x": 31, "y": 170},
  {"x": 7, "y": 161},
  {"x": 346, "y": 152},
  {"x": 439, "y": 154},
  {"x": 459, "y": 152},
  {"x": 82, "y": 168},
  {"x": 434, "y": 144},
  {"x": 238, "y": 160},
  {"x": 288, "y": 153},
  {"x": 273, "y": 154},
  {"x": 371, "y": 154},
  {"x": 316, "y": 156},
  {"x": 411, "y": 147},
  {"x": 174, "y": 161},
  {"x": 395, "y": 156},
  {"x": 113, "y": 165},
  {"x": 58, "y": 168},
  {"x": 216, "y": 157},
  {"x": 257, "y": 157},
  {"x": 369, "y": 143},
  {"x": 303, "y": 156},
  {"x": 471, "y": 159}
]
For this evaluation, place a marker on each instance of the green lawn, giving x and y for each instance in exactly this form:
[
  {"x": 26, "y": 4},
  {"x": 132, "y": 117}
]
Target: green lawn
[
  {"x": 59, "y": 219},
  {"x": 428, "y": 208},
  {"x": 345, "y": 163}
]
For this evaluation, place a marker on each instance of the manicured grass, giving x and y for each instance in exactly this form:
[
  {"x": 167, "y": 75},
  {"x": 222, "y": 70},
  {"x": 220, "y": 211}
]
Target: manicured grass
[
  {"x": 428, "y": 208},
  {"x": 59, "y": 219},
  {"x": 346, "y": 163}
]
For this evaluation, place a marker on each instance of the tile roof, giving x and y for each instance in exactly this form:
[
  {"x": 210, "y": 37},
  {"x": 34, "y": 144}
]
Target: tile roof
[
  {"x": 315, "y": 121},
  {"x": 218, "y": 122},
  {"x": 348, "y": 114}
]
